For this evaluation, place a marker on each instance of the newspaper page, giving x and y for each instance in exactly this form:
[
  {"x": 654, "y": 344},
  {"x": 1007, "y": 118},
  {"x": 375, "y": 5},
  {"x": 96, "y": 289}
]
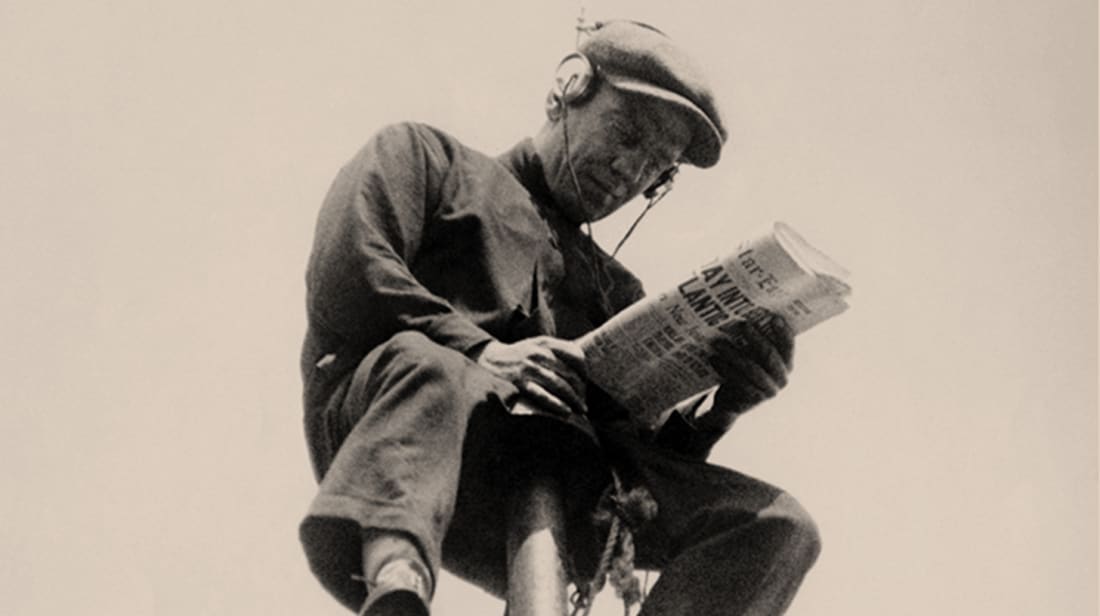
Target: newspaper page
[{"x": 654, "y": 354}]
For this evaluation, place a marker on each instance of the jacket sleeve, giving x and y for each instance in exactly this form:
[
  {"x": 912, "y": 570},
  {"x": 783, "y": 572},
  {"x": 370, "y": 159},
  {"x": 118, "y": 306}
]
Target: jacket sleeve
[{"x": 360, "y": 286}]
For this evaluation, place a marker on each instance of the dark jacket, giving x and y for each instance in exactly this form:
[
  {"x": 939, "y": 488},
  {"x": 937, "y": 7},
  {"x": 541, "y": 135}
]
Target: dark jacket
[{"x": 419, "y": 232}]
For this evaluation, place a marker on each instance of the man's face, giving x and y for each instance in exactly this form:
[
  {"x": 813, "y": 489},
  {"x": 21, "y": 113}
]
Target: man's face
[{"x": 619, "y": 145}]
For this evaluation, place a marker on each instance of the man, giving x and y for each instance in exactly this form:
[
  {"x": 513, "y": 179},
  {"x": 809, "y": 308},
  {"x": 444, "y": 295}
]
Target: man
[{"x": 445, "y": 285}]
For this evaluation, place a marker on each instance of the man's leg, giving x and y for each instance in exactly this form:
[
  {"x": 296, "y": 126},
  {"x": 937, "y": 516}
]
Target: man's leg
[
  {"x": 402, "y": 425},
  {"x": 725, "y": 543}
]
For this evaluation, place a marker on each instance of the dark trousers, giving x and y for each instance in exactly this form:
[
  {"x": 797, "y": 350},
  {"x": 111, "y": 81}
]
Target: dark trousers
[{"x": 415, "y": 446}]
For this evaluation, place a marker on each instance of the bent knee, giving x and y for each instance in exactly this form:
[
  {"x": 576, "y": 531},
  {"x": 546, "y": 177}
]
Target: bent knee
[
  {"x": 799, "y": 533},
  {"x": 410, "y": 341},
  {"x": 412, "y": 350}
]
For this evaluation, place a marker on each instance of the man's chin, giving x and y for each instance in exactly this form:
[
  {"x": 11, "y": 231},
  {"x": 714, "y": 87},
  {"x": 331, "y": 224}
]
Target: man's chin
[
  {"x": 610, "y": 205},
  {"x": 589, "y": 208}
]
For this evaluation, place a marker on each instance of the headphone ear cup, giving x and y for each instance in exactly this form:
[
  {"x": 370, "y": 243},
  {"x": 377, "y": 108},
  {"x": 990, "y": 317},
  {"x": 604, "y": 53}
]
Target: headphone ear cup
[{"x": 572, "y": 79}]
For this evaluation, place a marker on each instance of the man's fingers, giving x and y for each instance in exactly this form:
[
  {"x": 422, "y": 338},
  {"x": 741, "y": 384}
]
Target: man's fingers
[
  {"x": 567, "y": 352},
  {"x": 756, "y": 344},
  {"x": 735, "y": 397},
  {"x": 547, "y": 369},
  {"x": 747, "y": 374},
  {"x": 774, "y": 365},
  {"x": 544, "y": 399},
  {"x": 566, "y": 390},
  {"x": 779, "y": 332},
  {"x": 760, "y": 379},
  {"x": 750, "y": 342},
  {"x": 548, "y": 360}
]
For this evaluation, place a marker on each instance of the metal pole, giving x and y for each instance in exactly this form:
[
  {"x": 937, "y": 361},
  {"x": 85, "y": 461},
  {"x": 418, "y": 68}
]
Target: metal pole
[{"x": 536, "y": 543}]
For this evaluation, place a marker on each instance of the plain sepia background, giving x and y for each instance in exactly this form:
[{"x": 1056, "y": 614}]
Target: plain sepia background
[{"x": 161, "y": 167}]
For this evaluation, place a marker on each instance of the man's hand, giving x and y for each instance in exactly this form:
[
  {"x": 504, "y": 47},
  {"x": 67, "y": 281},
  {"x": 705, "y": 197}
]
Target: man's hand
[
  {"x": 547, "y": 370},
  {"x": 753, "y": 361}
]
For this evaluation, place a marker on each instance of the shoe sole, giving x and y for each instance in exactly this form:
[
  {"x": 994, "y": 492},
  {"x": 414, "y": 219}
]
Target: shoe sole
[{"x": 395, "y": 603}]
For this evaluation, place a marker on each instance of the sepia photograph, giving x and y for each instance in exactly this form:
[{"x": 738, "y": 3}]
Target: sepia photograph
[{"x": 540, "y": 309}]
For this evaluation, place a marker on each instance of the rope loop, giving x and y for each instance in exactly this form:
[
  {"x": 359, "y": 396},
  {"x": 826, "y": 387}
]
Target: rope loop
[{"x": 623, "y": 512}]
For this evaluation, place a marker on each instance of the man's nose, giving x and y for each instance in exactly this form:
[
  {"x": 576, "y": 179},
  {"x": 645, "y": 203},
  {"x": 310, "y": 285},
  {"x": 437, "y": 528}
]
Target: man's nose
[{"x": 629, "y": 166}]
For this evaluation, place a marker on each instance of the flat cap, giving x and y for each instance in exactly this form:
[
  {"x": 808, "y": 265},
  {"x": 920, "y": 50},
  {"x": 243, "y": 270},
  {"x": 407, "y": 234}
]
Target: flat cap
[{"x": 638, "y": 58}]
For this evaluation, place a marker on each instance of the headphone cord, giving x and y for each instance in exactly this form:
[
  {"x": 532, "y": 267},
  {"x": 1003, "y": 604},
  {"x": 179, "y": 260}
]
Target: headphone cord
[
  {"x": 595, "y": 264},
  {"x": 598, "y": 267},
  {"x": 654, "y": 200}
]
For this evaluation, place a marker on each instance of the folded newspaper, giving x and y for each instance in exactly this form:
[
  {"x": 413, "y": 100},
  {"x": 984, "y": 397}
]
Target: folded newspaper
[{"x": 654, "y": 354}]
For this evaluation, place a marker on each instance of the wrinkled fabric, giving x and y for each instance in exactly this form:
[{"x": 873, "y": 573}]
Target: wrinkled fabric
[
  {"x": 426, "y": 250},
  {"x": 421, "y": 233}
]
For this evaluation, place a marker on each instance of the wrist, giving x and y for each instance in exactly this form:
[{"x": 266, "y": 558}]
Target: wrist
[
  {"x": 475, "y": 351},
  {"x": 714, "y": 420}
]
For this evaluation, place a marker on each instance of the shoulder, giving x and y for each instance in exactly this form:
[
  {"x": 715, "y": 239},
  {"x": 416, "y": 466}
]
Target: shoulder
[
  {"x": 405, "y": 140},
  {"x": 630, "y": 288},
  {"x": 416, "y": 134},
  {"x": 422, "y": 138},
  {"x": 412, "y": 145},
  {"x": 627, "y": 288}
]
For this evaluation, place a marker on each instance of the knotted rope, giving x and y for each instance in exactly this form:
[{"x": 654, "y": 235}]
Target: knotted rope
[{"x": 622, "y": 511}]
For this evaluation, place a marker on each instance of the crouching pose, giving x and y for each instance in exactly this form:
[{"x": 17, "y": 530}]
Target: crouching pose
[{"x": 445, "y": 284}]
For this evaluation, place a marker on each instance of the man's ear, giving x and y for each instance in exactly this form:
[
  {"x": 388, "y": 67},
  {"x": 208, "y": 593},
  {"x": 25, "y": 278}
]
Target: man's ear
[
  {"x": 554, "y": 106},
  {"x": 663, "y": 182}
]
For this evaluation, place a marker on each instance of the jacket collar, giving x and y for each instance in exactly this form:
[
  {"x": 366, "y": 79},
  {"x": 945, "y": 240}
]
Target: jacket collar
[{"x": 524, "y": 163}]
